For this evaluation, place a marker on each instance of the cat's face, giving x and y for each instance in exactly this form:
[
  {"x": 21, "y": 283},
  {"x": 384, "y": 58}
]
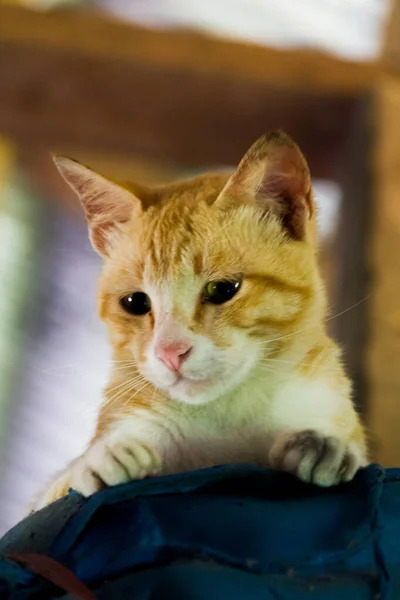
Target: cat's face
[
  {"x": 198, "y": 296},
  {"x": 202, "y": 285}
]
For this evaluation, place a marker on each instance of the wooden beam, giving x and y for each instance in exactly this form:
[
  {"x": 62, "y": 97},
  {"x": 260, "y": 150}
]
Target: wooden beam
[
  {"x": 391, "y": 46},
  {"x": 384, "y": 346},
  {"x": 62, "y": 100},
  {"x": 384, "y": 316},
  {"x": 95, "y": 35},
  {"x": 73, "y": 79}
]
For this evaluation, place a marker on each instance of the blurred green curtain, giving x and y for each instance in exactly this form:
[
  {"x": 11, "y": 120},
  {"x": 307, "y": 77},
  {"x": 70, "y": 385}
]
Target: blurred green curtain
[{"x": 20, "y": 217}]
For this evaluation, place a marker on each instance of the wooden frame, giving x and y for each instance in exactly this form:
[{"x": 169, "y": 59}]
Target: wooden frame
[
  {"x": 79, "y": 82},
  {"x": 69, "y": 80}
]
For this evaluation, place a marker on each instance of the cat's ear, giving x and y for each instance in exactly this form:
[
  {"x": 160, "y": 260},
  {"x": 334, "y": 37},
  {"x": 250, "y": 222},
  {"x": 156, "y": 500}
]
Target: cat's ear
[
  {"x": 274, "y": 174},
  {"x": 106, "y": 204}
]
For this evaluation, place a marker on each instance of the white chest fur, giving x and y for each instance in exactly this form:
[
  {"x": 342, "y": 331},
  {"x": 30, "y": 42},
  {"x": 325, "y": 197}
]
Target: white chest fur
[{"x": 237, "y": 428}]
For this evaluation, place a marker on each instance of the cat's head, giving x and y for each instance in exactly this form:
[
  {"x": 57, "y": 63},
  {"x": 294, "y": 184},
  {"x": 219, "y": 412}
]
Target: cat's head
[{"x": 204, "y": 278}]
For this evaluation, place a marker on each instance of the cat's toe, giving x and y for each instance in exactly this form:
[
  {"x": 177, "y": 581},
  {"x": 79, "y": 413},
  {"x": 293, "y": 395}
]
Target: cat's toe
[{"x": 315, "y": 458}]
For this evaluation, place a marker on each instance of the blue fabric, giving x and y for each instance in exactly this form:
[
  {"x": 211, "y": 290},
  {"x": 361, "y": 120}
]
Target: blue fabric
[{"x": 229, "y": 532}]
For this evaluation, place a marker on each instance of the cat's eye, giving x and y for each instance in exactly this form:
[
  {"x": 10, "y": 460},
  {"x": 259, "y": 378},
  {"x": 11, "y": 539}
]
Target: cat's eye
[
  {"x": 137, "y": 303},
  {"x": 218, "y": 292}
]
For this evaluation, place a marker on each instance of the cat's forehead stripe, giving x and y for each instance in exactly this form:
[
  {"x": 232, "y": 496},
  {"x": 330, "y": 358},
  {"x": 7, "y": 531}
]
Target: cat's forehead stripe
[
  {"x": 180, "y": 223},
  {"x": 174, "y": 247}
]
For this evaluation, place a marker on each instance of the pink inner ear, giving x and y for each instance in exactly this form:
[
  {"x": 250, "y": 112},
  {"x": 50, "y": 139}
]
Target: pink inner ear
[
  {"x": 108, "y": 205},
  {"x": 274, "y": 173},
  {"x": 285, "y": 175},
  {"x": 104, "y": 213},
  {"x": 99, "y": 235},
  {"x": 286, "y": 182}
]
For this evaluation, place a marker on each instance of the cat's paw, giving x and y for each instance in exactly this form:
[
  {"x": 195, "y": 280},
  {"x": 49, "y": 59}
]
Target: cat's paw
[
  {"x": 112, "y": 460},
  {"x": 314, "y": 458}
]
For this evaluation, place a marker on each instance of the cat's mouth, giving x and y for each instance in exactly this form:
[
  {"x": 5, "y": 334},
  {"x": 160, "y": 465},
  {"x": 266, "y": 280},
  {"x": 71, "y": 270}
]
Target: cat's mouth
[
  {"x": 188, "y": 387},
  {"x": 183, "y": 380}
]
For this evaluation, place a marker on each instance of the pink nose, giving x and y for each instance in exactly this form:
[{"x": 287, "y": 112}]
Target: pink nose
[{"x": 174, "y": 355}]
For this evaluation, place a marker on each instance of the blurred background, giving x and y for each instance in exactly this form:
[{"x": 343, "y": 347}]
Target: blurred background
[{"x": 157, "y": 89}]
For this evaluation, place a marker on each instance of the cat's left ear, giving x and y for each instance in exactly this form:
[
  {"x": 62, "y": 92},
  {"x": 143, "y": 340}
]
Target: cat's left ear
[
  {"x": 106, "y": 204},
  {"x": 274, "y": 174}
]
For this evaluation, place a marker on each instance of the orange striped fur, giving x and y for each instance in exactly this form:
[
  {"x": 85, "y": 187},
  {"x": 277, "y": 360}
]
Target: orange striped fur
[{"x": 261, "y": 371}]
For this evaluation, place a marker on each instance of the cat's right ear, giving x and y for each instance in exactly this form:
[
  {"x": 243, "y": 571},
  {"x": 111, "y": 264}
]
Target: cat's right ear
[
  {"x": 274, "y": 176},
  {"x": 107, "y": 205}
]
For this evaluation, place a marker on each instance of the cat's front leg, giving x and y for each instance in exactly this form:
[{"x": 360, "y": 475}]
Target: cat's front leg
[
  {"x": 126, "y": 452},
  {"x": 116, "y": 458},
  {"x": 318, "y": 436}
]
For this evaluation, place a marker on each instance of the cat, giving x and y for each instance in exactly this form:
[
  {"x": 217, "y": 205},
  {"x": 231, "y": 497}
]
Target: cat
[{"x": 216, "y": 313}]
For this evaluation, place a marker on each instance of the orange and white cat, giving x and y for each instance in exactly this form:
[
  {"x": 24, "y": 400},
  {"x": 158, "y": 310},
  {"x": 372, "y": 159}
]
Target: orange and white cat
[{"x": 216, "y": 314}]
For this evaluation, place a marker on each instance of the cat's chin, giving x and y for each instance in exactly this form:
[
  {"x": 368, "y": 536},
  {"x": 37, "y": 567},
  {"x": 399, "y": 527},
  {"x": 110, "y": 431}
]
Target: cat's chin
[{"x": 194, "y": 391}]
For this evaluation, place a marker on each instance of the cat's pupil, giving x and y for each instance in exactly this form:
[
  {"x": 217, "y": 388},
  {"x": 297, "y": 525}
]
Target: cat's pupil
[
  {"x": 218, "y": 292},
  {"x": 137, "y": 303}
]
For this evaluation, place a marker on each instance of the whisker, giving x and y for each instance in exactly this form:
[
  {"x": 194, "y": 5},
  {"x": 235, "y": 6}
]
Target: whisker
[
  {"x": 154, "y": 394},
  {"x": 284, "y": 362},
  {"x": 268, "y": 369},
  {"x": 79, "y": 366},
  {"x": 84, "y": 409},
  {"x": 123, "y": 379},
  {"x": 127, "y": 360},
  {"x": 124, "y": 368},
  {"x": 129, "y": 397},
  {"x": 137, "y": 392},
  {"x": 304, "y": 365},
  {"x": 342, "y": 312},
  {"x": 129, "y": 381},
  {"x": 127, "y": 387},
  {"x": 283, "y": 337}
]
